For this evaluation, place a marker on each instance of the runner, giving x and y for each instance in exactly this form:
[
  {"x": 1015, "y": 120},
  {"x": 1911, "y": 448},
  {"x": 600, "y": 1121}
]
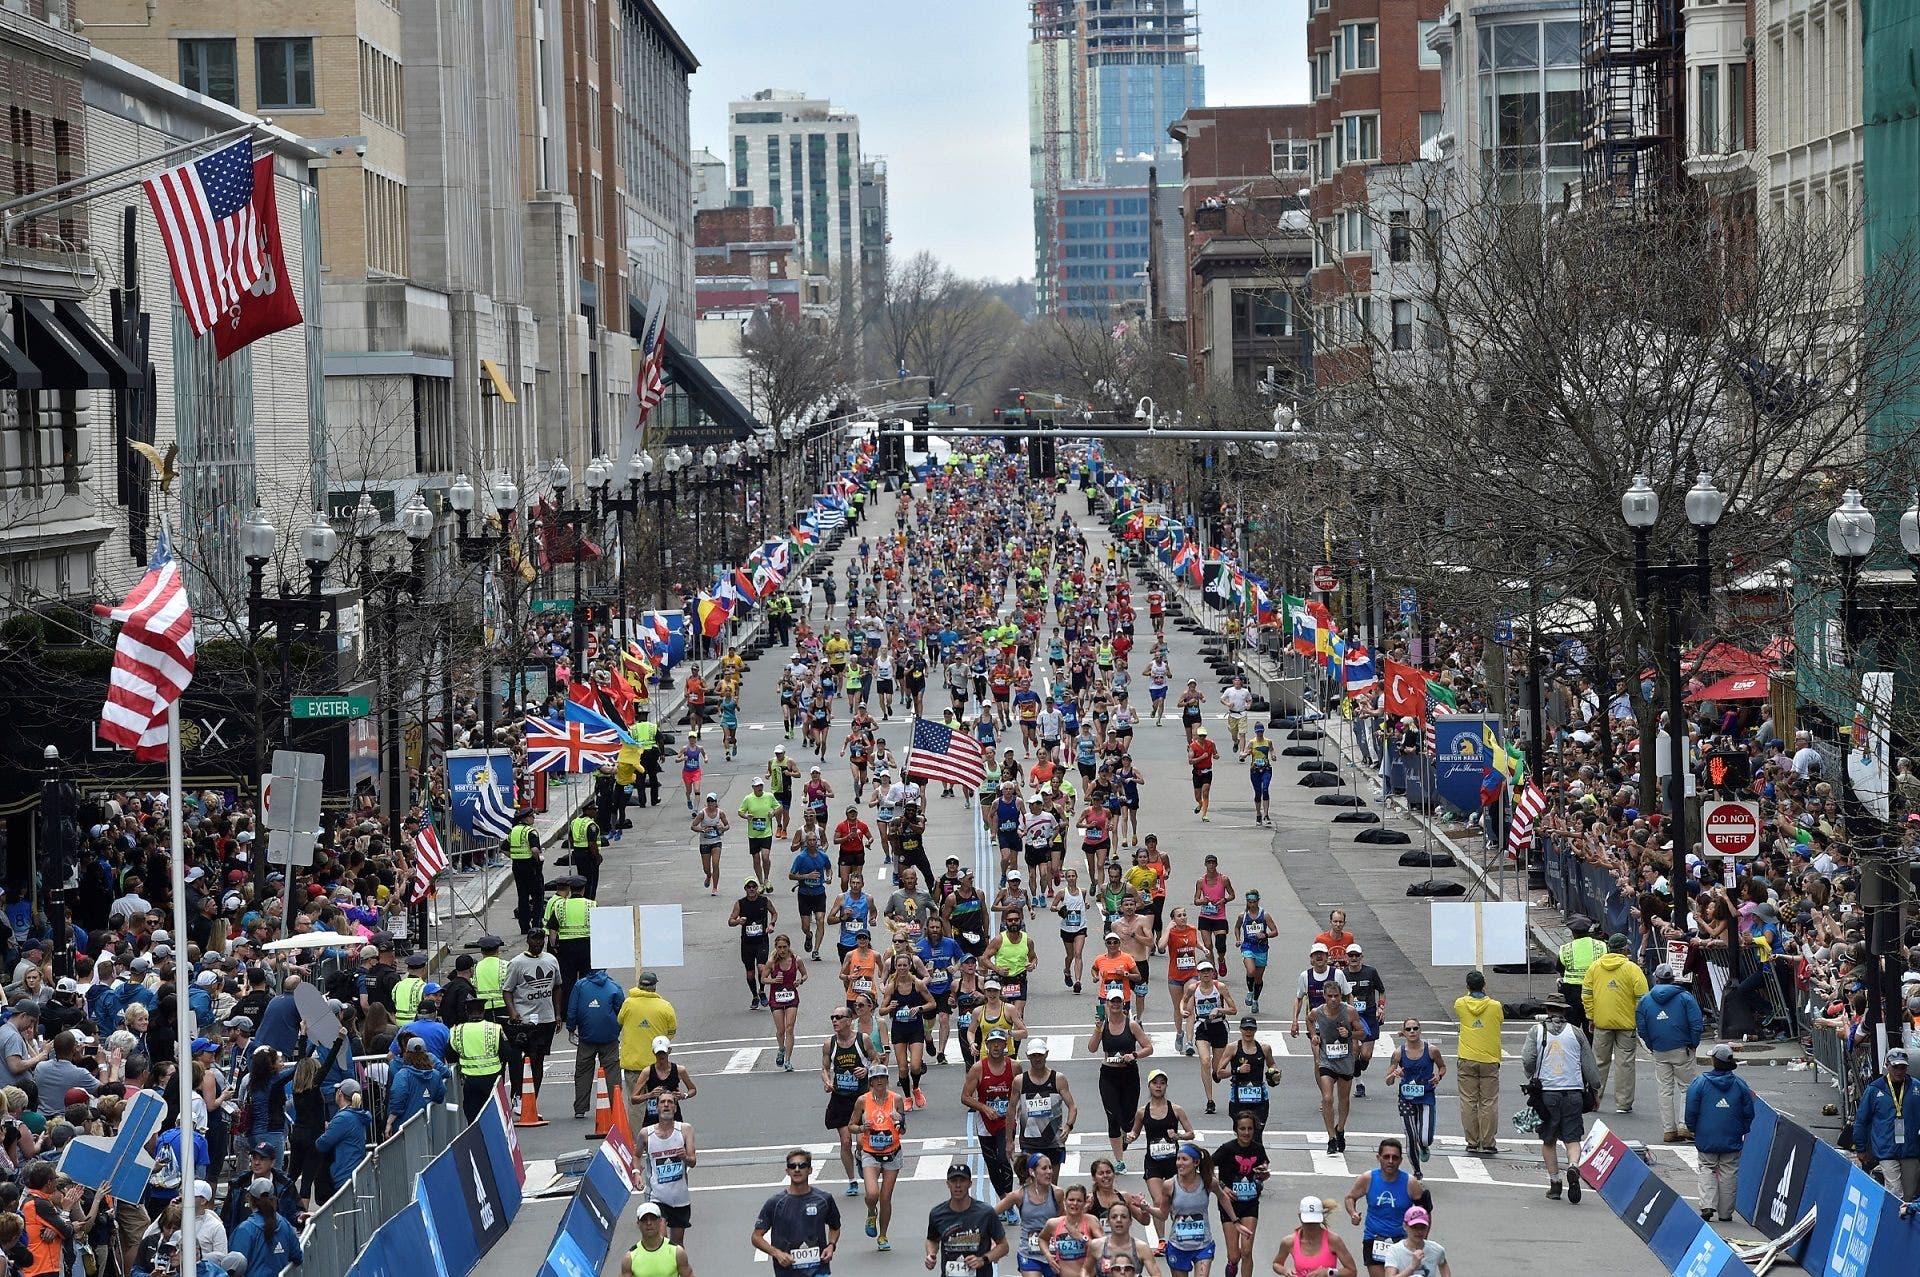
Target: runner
[
  {"x": 851, "y": 838},
  {"x": 1119, "y": 1042},
  {"x": 1334, "y": 1030},
  {"x": 941, "y": 956},
  {"x": 781, "y": 773},
  {"x": 1163, "y": 1124},
  {"x": 661, "y": 1080},
  {"x": 906, "y": 1001},
  {"x": 1033, "y": 1206},
  {"x": 668, "y": 1155},
  {"x": 1148, "y": 878},
  {"x": 1243, "y": 1167},
  {"x": 1012, "y": 954},
  {"x": 1369, "y": 994},
  {"x": 853, "y": 913},
  {"x": 1418, "y": 1067},
  {"x": 1190, "y": 702},
  {"x": 756, "y": 916},
  {"x": 1183, "y": 960},
  {"x": 1183, "y": 1222},
  {"x": 710, "y": 824},
  {"x": 1255, "y": 929},
  {"x": 995, "y": 1012},
  {"x": 759, "y": 809},
  {"x": 1250, "y": 1074},
  {"x": 1201, "y": 753},
  {"x": 1260, "y": 773},
  {"x": 1314, "y": 982},
  {"x": 1237, "y": 700},
  {"x": 1209, "y": 1003},
  {"x": 963, "y": 1236},
  {"x": 1135, "y": 930},
  {"x": 1071, "y": 904},
  {"x": 1120, "y": 1253},
  {"x": 809, "y": 872},
  {"x": 781, "y": 976},
  {"x": 879, "y": 1126},
  {"x": 987, "y": 1091},
  {"x": 860, "y": 970},
  {"x": 1212, "y": 893},
  {"x": 798, "y": 1228},
  {"x": 1313, "y": 1249},
  {"x": 692, "y": 759},
  {"x": 1045, "y": 1107},
  {"x": 844, "y": 1058},
  {"x": 654, "y": 1255},
  {"x": 1157, "y": 677},
  {"x": 1389, "y": 1193},
  {"x": 1068, "y": 1236}
]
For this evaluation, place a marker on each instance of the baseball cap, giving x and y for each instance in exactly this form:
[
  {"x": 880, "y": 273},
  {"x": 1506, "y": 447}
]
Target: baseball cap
[
  {"x": 649, "y": 1210},
  {"x": 202, "y": 1190},
  {"x": 1036, "y": 1046},
  {"x": 1249, "y": 1022},
  {"x": 959, "y": 1170},
  {"x": 1896, "y": 1055},
  {"x": 201, "y": 1044},
  {"x": 998, "y": 1035},
  {"x": 1318, "y": 948},
  {"x": 1205, "y": 965},
  {"x": 1416, "y": 1215},
  {"x": 1158, "y": 1075},
  {"x": 348, "y": 1087},
  {"x": 1355, "y": 948},
  {"x": 661, "y": 1044},
  {"x": 261, "y": 1187},
  {"x": 263, "y": 1149},
  {"x": 1312, "y": 1211},
  {"x": 1723, "y": 1054}
]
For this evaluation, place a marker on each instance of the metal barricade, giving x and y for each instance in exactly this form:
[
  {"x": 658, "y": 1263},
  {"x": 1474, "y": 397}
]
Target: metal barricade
[
  {"x": 1847, "y": 1066},
  {"x": 338, "y": 1229}
]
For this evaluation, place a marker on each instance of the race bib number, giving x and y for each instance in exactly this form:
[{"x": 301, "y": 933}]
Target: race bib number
[
  {"x": 1246, "y": 1189},
  {"x": 755, "y": 929},
  {"x": 862, "y": 984},
  {"x": 1189, "y": 1231},
  {"x": 906, "y": 1014},
  {"x": 760, "y": 827},
  {"x": 1071, "y": 920},
  {"x": 1013, "y": 990},
  {"x": 1212, "y": 910},
  {"x": 1160, "y": 1150},
  {"x": 1377, "y": 1249},
  {"x": 1256, "y": 931},
  {"x": 1413, "y": 1090},
  {"x": 998, "y": 1105},
  {"x": 845, "y": 1082},
  {"x": 805, "y": 1257},
  {"x": 1336, "y": 1050},
  {"x": 1031, "y": 1243},
  {"x": 785, "y": 997},
  {"x": 668, "y": 1170},
  {"x": 1249, "y": 1093},
  {"x": 880, "y": 1141},
  {"x": 957, "y": 1268}
]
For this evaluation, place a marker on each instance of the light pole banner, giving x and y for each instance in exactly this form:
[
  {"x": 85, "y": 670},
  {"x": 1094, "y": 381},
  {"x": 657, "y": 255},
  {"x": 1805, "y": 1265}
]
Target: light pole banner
[
  {"x": 1461, "y": 759},
  {"x": 480, "y": 789},
  {"x": 1868, "y": 767}
]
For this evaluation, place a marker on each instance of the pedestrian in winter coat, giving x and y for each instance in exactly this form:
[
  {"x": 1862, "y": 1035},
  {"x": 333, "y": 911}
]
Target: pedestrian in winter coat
[
  {"x": 1720, "y": 1113},
  {"x": 419, "y": 1080},
  {"x": 1886, "y": 1129},
  {"x": 1611, "y": 995},
  {"x": 344, "y": 1142},
  {"x": 643, "y": 1017},
  {"x": 593, "y": 1018},
  {"x": 1668, "y": 1020}
]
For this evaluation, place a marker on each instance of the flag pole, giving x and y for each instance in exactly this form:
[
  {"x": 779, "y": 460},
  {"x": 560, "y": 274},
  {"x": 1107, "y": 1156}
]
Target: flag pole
[{"x": 183, "y": 1056}]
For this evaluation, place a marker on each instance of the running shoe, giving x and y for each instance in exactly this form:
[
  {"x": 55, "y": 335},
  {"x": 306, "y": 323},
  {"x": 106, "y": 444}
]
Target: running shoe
[
  {"x": 1119, "y": 1168},
  {"x": 1213, "y": 1108},
  {"x": 1573, "y": 1187},
  {"x": 940, "y": 1058},
  {"x": 919, "y": 1098},
  {"x": 873, "y": 1222},
  {"x": 779, "y": 1059},
  {"x": 1333, "y": 1144},
  {"x": 789, "y": 1066},
  {"x": 853, "y": 1189},
  {"x": 1359, "y": 1090},
  {"x": 882, "y": 1243}
]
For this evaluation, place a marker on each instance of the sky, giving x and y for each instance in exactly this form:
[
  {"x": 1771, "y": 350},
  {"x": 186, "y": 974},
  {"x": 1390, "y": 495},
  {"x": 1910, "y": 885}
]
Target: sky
[{"x": 940, "y": 89}]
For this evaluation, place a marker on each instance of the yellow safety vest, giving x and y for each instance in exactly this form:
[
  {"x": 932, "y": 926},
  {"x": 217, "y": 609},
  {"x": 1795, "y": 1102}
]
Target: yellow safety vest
[
  {"x": 576, "y": 918},
  {"x": 520, "y": 842},
  {"x": 1576, "y": 956},
  {"x": 489, "y": 981},
  {"x": 406, "y": 999},
  {"x": 582, "y": 827},
  {"x": 645, "y": 735},
  {"x": 480, "y": 1059}
]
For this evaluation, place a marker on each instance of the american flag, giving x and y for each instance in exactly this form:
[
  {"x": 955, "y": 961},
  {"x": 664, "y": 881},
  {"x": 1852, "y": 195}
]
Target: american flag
[
  {"x": 429, "y": 860},
  {"x": 152, "y": 659},
  {"x": 649, "y": 384},
  {"x": 568, "y": 747},
  {"x": 950, "y": 757},
  {"x": 207, "y": 221},
  {"x": 1434, "y": 708},
  {"x": 1533, "y": 801}
]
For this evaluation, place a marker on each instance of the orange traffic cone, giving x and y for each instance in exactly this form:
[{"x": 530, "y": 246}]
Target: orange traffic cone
[
  {"x": 602, "y": 1105},
  {"x": 529, "y": 1103}
]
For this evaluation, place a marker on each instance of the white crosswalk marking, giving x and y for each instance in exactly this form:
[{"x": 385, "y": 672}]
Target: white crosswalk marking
[
  {"x": 1060, "y": 1047},
  {"x": 1329, "y": 1163},
  {"x": 1470, "y": 1170},
  {"x": 1687, "y": 1153},
  {"x": 743, "y": 1060}
]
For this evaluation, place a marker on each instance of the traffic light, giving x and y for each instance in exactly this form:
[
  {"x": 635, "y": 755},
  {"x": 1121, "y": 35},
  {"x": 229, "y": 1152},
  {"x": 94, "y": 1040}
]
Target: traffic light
[
  {"x": 1729, "y": 769},
  {"x": 920, "y": 421},
  {"x": 893, "y": 451}
]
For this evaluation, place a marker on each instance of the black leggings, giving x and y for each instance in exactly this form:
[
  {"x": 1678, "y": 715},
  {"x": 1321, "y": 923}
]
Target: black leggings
[
  {"x": 307, "y": 1167},
  {"x": 1119, "y": 1096}
]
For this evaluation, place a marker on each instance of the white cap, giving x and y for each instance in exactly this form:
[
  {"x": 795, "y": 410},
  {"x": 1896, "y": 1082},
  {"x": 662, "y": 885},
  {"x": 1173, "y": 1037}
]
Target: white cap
[
  {"x": 662, "y": 1043},
  {"x": 1318, "y": 948},
  {"x": 649, "y": 1209},
  {"x": 1312, "y": 1211},
  {"x": 1013, "y": 875},
  {"x": 203, "y": 1190}
]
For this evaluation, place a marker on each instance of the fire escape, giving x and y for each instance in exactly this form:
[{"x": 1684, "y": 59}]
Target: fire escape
[{"x": 1633, "y": 76}]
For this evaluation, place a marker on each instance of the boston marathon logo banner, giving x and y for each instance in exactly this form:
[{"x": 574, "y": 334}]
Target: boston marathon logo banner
[
  {"x": 1461, "y": 759},
  {"x": 480, "y": 786}
]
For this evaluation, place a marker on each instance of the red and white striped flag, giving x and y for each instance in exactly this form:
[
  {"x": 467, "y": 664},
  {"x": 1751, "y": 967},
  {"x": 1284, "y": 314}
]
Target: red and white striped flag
[
  {"x": 1533, "y": 801},
  {"x": 209, "y": 224},
  {"x": 942, "y": 754},
  {"x": 649, "y": 384},
  {"x": 152, "y": 658},
  {"x": 429, "y": 860}
]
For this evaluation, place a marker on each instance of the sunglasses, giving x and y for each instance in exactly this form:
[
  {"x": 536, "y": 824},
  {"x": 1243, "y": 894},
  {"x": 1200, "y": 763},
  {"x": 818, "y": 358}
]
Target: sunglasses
[{"x": 799, "y": 1166}]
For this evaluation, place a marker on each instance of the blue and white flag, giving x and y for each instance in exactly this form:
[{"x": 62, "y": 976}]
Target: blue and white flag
[{"x": 480, "y": 782}]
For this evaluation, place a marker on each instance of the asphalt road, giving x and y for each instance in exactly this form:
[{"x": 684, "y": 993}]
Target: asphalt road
[{"x": 1489, "y": 1211}]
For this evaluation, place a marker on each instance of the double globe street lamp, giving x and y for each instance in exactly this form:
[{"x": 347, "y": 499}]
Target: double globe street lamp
[
  {"x": 496, "y": 531},
  {"x": 396, "y": 587}
]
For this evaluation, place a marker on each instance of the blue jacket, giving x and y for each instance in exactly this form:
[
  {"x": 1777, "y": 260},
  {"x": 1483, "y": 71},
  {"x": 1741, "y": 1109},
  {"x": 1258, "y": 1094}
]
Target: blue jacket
[
  {"x": 593, "y": 1011},
  {"x": 1668, "y": 1018},
  {"x": 1719, "y": 1111},
  {"x": 409, "y": 1090},
  {"x": 345, "y": 1141},
  {"x": 1874, "y": 1123},
  {"x": 267, "y": 1253}
]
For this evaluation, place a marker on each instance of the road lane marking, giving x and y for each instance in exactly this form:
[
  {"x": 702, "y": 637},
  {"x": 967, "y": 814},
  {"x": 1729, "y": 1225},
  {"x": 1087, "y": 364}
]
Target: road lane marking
[
  {"x": 744, "y": 1060},
  {"x": 1470, "y": 1170}
]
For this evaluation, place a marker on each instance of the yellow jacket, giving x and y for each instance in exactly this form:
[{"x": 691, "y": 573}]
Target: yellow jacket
[
  {"x": 643, "y": 1016},
  {"x": 1612, "y": 991}
]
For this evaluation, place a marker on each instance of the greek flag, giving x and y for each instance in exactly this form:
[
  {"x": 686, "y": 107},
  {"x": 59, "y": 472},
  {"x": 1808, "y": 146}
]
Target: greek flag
[{"x": 481, "y": 791}]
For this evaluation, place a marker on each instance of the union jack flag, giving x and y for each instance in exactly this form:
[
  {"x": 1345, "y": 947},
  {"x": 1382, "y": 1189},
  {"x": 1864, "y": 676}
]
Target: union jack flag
[{"x": 568, "y": 747}]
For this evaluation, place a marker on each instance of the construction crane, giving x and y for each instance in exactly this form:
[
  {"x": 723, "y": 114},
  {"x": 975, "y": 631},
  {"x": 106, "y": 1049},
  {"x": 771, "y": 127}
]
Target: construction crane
[{"x": 1051, "y": 25}]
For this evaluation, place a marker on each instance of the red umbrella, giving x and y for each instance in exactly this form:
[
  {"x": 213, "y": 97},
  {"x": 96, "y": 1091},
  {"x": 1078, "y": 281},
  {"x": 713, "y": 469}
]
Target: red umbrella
[
  {"x": 1723, "y": 658},
  {"x": 1737, "y": 687}
]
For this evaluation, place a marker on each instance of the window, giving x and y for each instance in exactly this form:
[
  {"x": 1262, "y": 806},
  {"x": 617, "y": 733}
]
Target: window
[
  {"x": 284, "y": 73},
  {"x": 1430, "y": 125},
  {"x": 1402, "y": 325},
  {"x": 1399, "y": 237},
  {"x": 1530, "y": 108},
  {"x": 386, "y": 224},
  {"x": 773, "y": 176},
  {"x": 432, "y": 424},
  {"x": 1707, "y": 110},
  {"x": 756, "y": 117},
  {"x": 739, "y": 162},
  {"x": 1429, "y": 58},
  {"x": 210, "y": 68},
  {"x": 382, "y": 97},
  {"x": 1323, "y": 244},
  {"x": 1359, "y": 46},
  {"x": 1737, "y": 107},
  {"x": 1355, "y": 231},
  {"x": 1358, "y": 139},
  {"x": 1291, "y": 154}
]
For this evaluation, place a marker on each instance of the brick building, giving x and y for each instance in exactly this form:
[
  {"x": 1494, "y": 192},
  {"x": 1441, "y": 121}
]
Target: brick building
[
  {"x": 1246, "y": 244},
  {"x": 744, "y": 259}
]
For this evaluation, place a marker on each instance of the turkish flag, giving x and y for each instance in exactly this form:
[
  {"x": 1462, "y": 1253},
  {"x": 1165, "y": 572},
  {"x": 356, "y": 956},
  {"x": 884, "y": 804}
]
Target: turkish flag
[
  {"x": 1405, "y": 688},
  {"x": 269, "y": 305}
]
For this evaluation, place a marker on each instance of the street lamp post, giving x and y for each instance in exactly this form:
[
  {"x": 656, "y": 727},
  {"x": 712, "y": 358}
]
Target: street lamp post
[
  {"x": 1850, "y": 537},
  {"x": 1678, "y": 583},
  {"x": 560, "y": 479},
  {"x": 621, "y": 500},
  {"x": 395, "y": 587},
  {"x": 480, "y": 548}
]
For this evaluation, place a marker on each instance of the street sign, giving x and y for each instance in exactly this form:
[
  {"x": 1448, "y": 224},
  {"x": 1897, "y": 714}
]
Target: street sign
[
  {"x": 332, "y": 706},
  {"x": 1323, "y": 578},
  {"x": 552, "y": 605},
  {"x": 1503, "y": 630},
  {"x": 1730, "y": 829},
  {"x": 1408, "y": 604}
]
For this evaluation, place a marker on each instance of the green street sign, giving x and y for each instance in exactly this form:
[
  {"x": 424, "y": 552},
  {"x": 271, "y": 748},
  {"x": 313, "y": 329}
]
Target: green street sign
[
  {"x": 552, "y": 605},
  {"x": 332, "y": 706}
]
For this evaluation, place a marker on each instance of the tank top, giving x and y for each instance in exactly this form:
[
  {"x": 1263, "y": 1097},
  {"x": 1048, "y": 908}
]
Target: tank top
[
  {"x": 753, "y": 920},
  {"x": 844, "y": 1061},
  {"x": 1416, "y": 1077},
  {"x": 1188, "y": 1229},
  {"x": 1034, "y": 1217},
  {"x": 1336, "y": 1054},
  {"x": 1238, "y": 1165},
  {"x": 910, "y": 1000},
  {"x": 1307, "y": 1263},
  {"x": 1160, "y": 1133},
  {"x": 858, "y": 911},
  {"x": 1207, "y": 1002},
  {"x": 1115, "y": 1044},
  {"x": 667, "y": 1166},
  {"x": 783, "y": 983},
  {"x": 1387, "y": 1203},
  {"x": 1316, "y": 986},
  {"x": 1069, "y": 1244},
  {"x": 861, "y": 972},
  {"x": 1248, "y": 1072},
  {"x": 664, "y": 1262},
  {"x": 1213, "y": 896},
  {"x": 1255, "y": 929},
  {"x": 1073, "y": 912},
  {"x": 882, "y": 1134},
  {"x": 1010, "y": 961},
  {"x": 1042, "y": 1113},
  {"x": 995, "y": 1090}
]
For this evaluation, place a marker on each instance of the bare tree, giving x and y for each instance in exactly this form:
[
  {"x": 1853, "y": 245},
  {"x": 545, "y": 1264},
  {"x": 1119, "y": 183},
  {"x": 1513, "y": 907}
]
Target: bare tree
[
  {"x": 792, "y": 367},
  {"x": 932, "y": 323}
]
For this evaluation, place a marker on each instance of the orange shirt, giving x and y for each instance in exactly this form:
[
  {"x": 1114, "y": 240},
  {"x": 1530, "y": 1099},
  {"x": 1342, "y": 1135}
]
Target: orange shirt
[
  {"x": 1336, "y": 943},
  {"x": 1201, "y": 753},
  {"x": 1115, "y": 968},
  {"x": 1184, "y": 952},
  {"x": 882, "y": 1122}
]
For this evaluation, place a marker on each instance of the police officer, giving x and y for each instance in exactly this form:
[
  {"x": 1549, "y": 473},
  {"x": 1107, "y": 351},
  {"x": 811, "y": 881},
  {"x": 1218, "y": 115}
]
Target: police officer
[
  {"x": 780, "y": 612},
  {"x": 408, "y": 992},
  {"x": 523, "y": 853},
  {"x": 646, "y": 778},
  {"x": 570, "y": 922},
  {"x": 583, "y": 839},
  {"x": 476, "y": 1048},
  {"x": 490, "y": 978},
  {"x": 1576, "y": 955}
]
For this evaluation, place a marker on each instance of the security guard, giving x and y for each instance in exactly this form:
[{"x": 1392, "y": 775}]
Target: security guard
[
  {"x": 780, "y": 612},
  {"x": 523, "y": 853},
  {"x": 1576, "y": 955},
  {"x": 490, "y": 978},
  {"x": 583, "y": 846},
  {"x": 570, "y": 922},
  {"x": 646, "y": 780},
  {"x": 476, "y": 1047},
  {"x": 408, "y": 992}
]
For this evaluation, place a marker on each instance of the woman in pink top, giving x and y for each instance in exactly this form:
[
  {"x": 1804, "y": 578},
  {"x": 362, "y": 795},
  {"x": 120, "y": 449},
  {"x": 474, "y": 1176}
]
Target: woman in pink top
[{"x": 1313, "y": 1250}]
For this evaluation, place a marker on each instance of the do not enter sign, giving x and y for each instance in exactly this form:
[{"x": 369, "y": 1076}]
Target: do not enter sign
[
  {"x": 1730, "y": 828},
  {"x": 1324, "y": 579}
]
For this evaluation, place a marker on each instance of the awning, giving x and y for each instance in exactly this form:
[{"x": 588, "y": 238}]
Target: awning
[
  {"x": 17, "y": 372},
  {"x": 1751, "y": 686},
  {"x": 499, "y": 380},
  {"x": 705, "y": 389},
  {"x": 70, "y": 353}
]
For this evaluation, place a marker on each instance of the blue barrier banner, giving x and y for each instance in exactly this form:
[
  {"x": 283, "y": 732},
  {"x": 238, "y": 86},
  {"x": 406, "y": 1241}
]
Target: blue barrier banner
[
  {"x": 1783, "y": 1186},
  {"x": 586, "y": 1229},
  {"x": 1678, "y": 1229},
  {"x": 1825, "y": 1193},
  {"x": 480, "y": 791},
  {"x": 1753, "y": 1159},
  {"x": 1461, "y": 760},
  {"x": 566, "y": 1259},
  {"x": 467, "y": 1198},
  {"x": 402, "y": 1247},
  {"x": 1859, "y": 1223},
  {"x": 1709, "y": 1256}
]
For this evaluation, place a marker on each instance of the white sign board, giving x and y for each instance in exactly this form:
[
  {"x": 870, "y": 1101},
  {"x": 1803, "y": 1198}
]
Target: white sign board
[
  {"x": 656, "y": 930},
  {"x": 661, "y": 940},
  {"x": 611, "y": 944},
  {"x": 1479, "y": 934}
]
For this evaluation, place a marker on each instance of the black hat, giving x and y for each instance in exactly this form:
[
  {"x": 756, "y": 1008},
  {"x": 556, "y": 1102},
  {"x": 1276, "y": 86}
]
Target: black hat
[
  {"x": 464, "y": 962},
  {"x": 576, "y": 881},
  {"x": 1580, "y": 924},
  {"x": 416, "y": 960},
  {"x": 488, "y": 942}
]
